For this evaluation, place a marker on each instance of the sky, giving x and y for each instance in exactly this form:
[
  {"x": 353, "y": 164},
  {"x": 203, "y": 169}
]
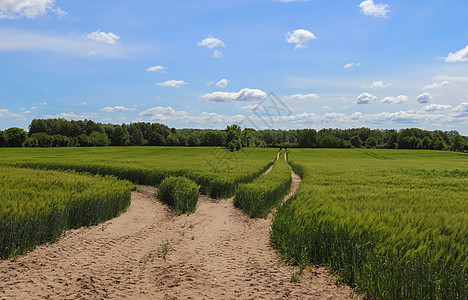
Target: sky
[{"x": 259, "y": 63}]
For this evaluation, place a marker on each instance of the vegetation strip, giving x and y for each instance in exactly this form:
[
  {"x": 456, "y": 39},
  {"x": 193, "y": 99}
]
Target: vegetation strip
[
  {"x": 38, "y": 206},
  {"x": 261, "y": 195},
  {"x": 391, "y": 223},
  {"x": 179, "y": 192}
]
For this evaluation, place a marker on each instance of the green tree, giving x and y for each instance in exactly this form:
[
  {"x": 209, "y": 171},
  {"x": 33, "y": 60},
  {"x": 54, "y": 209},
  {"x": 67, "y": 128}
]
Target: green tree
[
  {"x": 307, "y": 138},
  {"x": 233, "y": 137},
  {"x": 43, "y": 139},
  {"x": 172, "y": 140},
  {"x": 356, "y": 141},
  {"x": 15, "y": 137},
  {"x": 120, "y": 136}
]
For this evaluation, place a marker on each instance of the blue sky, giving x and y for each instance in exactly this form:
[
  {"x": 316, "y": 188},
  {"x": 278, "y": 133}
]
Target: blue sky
[{"x": 207, "y": 64}]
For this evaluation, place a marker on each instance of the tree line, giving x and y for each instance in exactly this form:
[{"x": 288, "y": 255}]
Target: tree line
[{"x": 87, "y": 133}]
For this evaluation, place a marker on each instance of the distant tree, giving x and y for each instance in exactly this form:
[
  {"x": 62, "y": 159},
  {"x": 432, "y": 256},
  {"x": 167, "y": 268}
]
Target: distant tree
[
  {"x": 82, "y": 140},
  {"x": 15, "y": 137},
  {"x": 356, "y": 141},
  {"x": 43, "y": 139},
  {"x": 233, "y": 137},
  {"x": 156, "y": 139},
  {"x": 136, "y": 136},
  {"x": 98, "y": 139},
  {"x": 2, "y": 139},
  {"x": 193, "y": 140},
  {"x": 120, "y": 136},
  {"x": 31, "y": 142},
  {"x": 307, "y": 138},
  {"x": 59, "y": 140},
  {"x": 371, "y": 142},
  {"x": 172, "y": 140}
]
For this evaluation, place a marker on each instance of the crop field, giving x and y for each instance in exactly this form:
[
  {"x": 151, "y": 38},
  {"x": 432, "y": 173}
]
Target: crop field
[
  {"x": 38, "y": 206},
  {"x": 393, "y": 223},
  {"x": 216, "y": 170},
  {"x": 258, "y": 197}
]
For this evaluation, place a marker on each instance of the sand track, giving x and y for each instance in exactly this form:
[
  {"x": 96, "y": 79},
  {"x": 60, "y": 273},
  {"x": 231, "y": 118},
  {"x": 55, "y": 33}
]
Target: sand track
[{"x": 226, "y": 255}]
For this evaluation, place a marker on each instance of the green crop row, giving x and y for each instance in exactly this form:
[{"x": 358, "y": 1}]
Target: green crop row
[
  {"x": 258, "y": 197},
  {"x": 391, "y": 223},
  {"x": 179, "y": 192},
  {"x": 216, "y": 170},
  {"x": 38, "y": 206}
]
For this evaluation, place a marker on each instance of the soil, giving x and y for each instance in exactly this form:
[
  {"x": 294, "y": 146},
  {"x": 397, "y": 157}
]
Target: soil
[{"x": 215, "y": 253}]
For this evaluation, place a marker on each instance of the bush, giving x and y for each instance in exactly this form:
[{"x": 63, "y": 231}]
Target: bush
[{"x": 179, "y": 192}]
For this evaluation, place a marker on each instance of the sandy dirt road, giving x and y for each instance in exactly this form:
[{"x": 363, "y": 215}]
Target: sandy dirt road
[{"x": 215, "y": 253}]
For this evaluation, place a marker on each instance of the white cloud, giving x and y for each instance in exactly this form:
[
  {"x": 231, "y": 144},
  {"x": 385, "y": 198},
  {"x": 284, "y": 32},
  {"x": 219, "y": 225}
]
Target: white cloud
[
  {"x": 13, "y": 9},
  {"x": 436, "y": 85},
  {"x": 21, "y": 40},
  {"x": 211, "y": 43},
  {"x": 217, "y": 53},
  {"x": 155, "y": 69},
  {"x": 5, "y": 113},
  {"x": 377, "y": 85},
  {"x": 102, "y": 37},
  {"x": 300, "y": 37},
  {"x": 172, "y": 83},
  {"x": 243, "y": 95},
  {"x": 347, "y": 66},
  {"x": 424, "y": 98},
  {"x": 462, "y": 108},
  {"x": 365, "y": 98},
  {"x": 459, "y": 56},
  {"x": 117, "y": 109},
  {"x": 82, "y": 103},
  {"x": 222, "y": 83},
  {"x": 33, "y": 108},
  {"x": 435, "y": 107},
  {"x": 163, "y": 113},
  {"x": 395, "y": 100},
  {"x": 72, "y": 116},
  {"x": 301, "y": 97},
  {"x": 43, "y": 103},
  {"x": 380, "y": 10}
]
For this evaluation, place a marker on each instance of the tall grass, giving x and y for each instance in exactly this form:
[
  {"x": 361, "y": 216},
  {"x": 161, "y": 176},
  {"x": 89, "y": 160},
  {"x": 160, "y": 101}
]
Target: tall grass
[
  {"x": 258, "y": 197},
  {"x": 179, "y": 192},
  {"x": 38, "y": 206},
  {"x": 391, "y": 223}
]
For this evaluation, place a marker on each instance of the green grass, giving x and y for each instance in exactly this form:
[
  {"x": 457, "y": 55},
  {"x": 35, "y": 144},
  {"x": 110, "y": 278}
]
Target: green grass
[
  {"x": 38, "y": 206},
  {"x": 258, "y": 197},
  {"x": 179, "y": 192},
  {"x": 393, "y": 223},
  {"x": 216, "y": 170}
]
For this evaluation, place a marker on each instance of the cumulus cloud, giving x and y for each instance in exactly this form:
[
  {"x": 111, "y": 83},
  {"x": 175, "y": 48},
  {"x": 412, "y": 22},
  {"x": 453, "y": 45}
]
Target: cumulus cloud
[
  {"x": 172, "y": 83},
  {"x": 436, "y": 85},
  {"x": 377, "y": 85},
  {"x": 451, "y": 78},
  {"x": 424, "y": 98},
  {"x": 350, "y": 65},
  {"x": 72, "y": 116},
  {"x": 459, "y": 56},
  {"x": 243, "y": 95},
  {"x": 369, "y": 8},
  {"x": 117, "y": 109},
  {"x": 365, "y": 98},
  {"x": 84, "y": 103},
  {"x": 301, "y": 97},
  {"x": 13, "y": 9},
  {"x": 462, "y": 108},
  {"x": 211, "y": 43},
  {"x": 300, "y": 37},
  {"x": 395, "y": 100},
  {"x": 222, "y": 83},
  {"x": 5, "y": 113},
  {"x": 102, "y": 37},
  {"x": 163, "y": 113},
  {"x": 155, "y": 69}
]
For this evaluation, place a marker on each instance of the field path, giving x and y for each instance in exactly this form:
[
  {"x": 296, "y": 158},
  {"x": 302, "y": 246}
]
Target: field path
[{"x": 215, "y": 253}]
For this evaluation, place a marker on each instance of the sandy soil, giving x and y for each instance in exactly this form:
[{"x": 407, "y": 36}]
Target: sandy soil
[{"x": 215, "y": 253}]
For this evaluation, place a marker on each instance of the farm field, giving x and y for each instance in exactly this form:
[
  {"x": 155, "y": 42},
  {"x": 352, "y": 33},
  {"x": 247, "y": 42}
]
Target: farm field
[
  {"x": 216, "y": 170},
  {"x": 393, "y": 223},
  {"x": 38, "y": 206}
]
